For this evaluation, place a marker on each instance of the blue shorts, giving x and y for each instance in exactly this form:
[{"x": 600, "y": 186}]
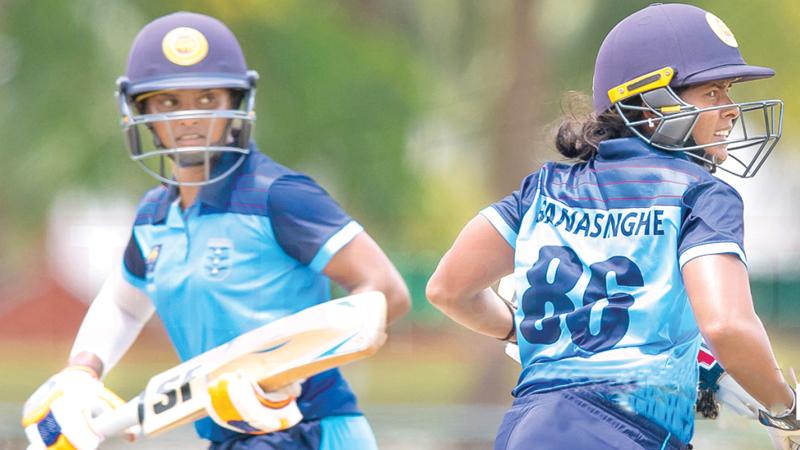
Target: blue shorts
[
  {"x": 578, "y": 419},
  {"x": 329, "y": 433}
]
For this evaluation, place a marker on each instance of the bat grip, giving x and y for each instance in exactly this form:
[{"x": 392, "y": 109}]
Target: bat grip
[{"x": 117, "y": 420}]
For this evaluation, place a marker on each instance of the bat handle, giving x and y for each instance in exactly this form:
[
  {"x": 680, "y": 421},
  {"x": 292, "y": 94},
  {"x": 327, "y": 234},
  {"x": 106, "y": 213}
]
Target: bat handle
[{"x": 117, "y": 420}]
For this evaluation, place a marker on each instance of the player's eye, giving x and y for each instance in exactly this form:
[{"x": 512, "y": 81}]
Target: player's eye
[
  {"x": 207, "y": 100},
  {"x": 167, "y": 103}
]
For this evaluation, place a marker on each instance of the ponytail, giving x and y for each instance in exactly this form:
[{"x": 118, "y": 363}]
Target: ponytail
[{"x": 581, "y": 131}]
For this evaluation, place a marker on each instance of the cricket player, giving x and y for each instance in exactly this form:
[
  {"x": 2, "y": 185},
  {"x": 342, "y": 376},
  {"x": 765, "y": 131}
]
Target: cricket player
[
  {"x": 230, "y": 240},
  {"x": 623, "y": 259}
]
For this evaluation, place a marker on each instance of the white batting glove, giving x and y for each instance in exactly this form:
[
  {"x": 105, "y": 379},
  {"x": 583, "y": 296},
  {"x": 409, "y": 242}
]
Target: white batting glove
[
  {"x": 58, "y": 414},
  {"x": 734, "y": 397},
  {"x": 238, "y": 403}
]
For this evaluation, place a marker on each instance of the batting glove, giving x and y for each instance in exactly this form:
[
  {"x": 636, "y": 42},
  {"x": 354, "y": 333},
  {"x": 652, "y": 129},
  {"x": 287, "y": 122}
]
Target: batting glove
[
  {"x": 58, "y": 415},
  {"x": 238, "y": 403},
  {"x": 783, "y": 429}
]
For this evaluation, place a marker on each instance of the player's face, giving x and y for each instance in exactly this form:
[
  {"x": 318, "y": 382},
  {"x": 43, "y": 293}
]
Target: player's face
[
  {"x": 712, "y": 126},
  {"x": 189, "y": 132}
]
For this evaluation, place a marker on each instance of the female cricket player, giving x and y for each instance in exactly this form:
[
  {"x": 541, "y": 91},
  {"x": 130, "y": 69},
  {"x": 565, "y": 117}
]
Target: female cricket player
[
  {"x": 229, "y": 241},
  {"x": 623, "y": 259}
]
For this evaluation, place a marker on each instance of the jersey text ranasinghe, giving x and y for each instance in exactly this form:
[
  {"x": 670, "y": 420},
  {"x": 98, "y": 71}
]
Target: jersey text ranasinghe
[{"x": 597, "y": 224}]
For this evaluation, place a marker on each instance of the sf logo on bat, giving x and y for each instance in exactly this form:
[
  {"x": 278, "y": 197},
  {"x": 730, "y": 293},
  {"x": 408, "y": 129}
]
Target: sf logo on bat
[{"x": 173, "y": 390}]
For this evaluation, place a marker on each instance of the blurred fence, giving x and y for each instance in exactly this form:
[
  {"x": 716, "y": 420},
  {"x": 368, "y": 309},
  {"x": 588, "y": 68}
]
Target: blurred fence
[{"x": 777, "y": 300}]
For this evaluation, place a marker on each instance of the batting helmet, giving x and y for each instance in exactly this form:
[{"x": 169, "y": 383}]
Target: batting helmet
[
  {"x": 665, "y": 47},
  {"x": 187, "y": 51}
]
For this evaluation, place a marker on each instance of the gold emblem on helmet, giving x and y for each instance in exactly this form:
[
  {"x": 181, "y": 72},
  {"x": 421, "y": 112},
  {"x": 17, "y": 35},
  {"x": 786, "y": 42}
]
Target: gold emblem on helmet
[
  {"x": 184, "y": 46},
  {"x": 721, "y": 30}
]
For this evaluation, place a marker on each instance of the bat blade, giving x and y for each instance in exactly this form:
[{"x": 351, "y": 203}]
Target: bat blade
[{"x": 291, "y": 348}]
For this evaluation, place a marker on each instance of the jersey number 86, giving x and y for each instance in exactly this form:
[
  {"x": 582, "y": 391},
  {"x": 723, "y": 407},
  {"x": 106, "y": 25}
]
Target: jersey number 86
[{"x": 567, "y": 270}]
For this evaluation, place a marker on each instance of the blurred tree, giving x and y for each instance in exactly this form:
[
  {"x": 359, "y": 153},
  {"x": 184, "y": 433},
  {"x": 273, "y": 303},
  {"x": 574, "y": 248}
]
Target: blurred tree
[
  {"x": 518, "y": 119},
  {"x": 415, "y": 114}
]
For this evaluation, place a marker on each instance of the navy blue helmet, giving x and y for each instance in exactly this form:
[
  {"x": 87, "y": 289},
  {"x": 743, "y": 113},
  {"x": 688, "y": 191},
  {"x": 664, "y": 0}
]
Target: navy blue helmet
[
  {"x": 652, "y": 53},
  {"x": 187, "y": 51}
]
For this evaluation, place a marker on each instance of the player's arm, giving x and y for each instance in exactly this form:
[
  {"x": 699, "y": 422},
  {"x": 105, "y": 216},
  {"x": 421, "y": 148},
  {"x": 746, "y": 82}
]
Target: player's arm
[
  {"x": 61, "y": 408},
  {"x": 111, "y": 325},
  {"x": 460, "y": 286},
  {"x": 361, "y": 266},
  {"x": 312, "y": 228},
  {"x": 719, "y": 292}
]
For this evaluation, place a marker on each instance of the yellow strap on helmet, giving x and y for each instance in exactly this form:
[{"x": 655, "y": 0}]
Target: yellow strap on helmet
[{"x": 653, "y": 80}]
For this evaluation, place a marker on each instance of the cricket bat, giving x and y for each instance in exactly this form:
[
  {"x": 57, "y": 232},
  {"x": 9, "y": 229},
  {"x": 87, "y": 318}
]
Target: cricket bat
[{"x": 294, "y": 347}]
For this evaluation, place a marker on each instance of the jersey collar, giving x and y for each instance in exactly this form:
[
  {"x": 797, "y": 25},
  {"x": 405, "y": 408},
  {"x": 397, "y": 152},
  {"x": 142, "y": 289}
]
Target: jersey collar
[
  {"x": 215, "y": 195},
  {"x": 631, "y": 147}
]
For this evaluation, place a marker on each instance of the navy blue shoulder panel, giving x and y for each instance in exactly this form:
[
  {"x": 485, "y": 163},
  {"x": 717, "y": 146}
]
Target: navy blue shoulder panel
[
  {"x": 153, "y": 206},
  {"x": 250, "y": 187},
  {"x": 713, "y": 212},
  {"x": 304, "y": 216},
  {"x": 514, "y": 206},
  {"x": 133, "y": 259},
  {"x": 639, "y": 182}
]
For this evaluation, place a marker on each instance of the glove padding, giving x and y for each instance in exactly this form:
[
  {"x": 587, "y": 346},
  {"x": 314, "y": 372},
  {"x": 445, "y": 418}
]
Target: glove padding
[
  {"x": 238, "y": 403},
  {"x": 58, "y": 415},
  {"x": 784, "y": 431}
]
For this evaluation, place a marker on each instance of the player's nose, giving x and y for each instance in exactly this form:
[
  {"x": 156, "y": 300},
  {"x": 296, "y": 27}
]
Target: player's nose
[
  {"x": 732, "y": 111},
  {"x": 188, "y": 121}
]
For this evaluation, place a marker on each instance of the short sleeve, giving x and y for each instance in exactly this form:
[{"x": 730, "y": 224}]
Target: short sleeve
[
  {"x": 308, "y": 224},
  {"x": 506, "y": 215},
  {"x": 133, "y": 264},
  {"x": 712, "y": 222}
]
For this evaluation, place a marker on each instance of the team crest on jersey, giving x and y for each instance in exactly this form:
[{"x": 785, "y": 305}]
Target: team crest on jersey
[
  {"x": 152, "y": 258},
  {"x": 217, "y": 260},
  {"x": 184, "y": 46}
]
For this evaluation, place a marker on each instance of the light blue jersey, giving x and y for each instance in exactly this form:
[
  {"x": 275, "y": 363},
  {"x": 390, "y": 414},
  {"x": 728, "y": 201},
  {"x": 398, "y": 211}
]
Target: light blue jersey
[
  {"x": 599, "y": 248},
  {"x": 249, "y": 251}
]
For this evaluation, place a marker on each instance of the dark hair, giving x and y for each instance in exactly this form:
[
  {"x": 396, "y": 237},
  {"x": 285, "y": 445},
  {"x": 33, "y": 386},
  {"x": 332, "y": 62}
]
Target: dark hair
[{"x": 582, "y": 130}]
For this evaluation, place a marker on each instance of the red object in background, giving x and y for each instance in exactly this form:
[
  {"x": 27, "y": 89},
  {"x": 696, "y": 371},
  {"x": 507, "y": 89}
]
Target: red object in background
[
  {"x": 42, "y": 310},
  {"x": 39, "y": 309}
]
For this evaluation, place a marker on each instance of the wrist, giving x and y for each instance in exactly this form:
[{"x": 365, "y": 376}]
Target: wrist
[
  {"x": 512, "y": 332},
  {"x": 88, "y": 362},
  {"x": 83, "y": 369}
]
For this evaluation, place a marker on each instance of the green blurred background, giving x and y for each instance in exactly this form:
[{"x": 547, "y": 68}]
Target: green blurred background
[{"x": 414, "y": 114}]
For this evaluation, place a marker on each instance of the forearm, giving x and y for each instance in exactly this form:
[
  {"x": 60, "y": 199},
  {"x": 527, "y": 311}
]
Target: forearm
[
  {"x": 745, "y": 353},
  {"x": 105, "y": 336},
  {"x": 398, "y": 301},
  {"x": 460, "y": 285},
  {"x": 361, "y": 266},
  {"x": 483, "y": 312},
  {"x": 719, "y": 291},
  {"x": 114, "y": 320}
]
